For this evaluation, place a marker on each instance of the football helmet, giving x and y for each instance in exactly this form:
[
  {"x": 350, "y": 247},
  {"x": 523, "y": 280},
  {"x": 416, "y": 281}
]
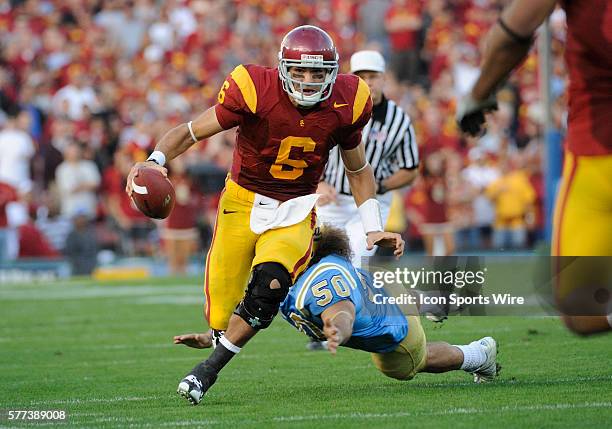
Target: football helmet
[{"x": 308, "y": 47}]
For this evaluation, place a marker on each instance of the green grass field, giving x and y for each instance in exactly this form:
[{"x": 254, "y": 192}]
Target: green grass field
[{"x": 104, "y": 354}]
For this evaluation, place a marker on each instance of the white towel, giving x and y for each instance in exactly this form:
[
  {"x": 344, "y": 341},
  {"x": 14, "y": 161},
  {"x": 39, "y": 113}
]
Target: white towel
[{"x": 268, "y": 213}]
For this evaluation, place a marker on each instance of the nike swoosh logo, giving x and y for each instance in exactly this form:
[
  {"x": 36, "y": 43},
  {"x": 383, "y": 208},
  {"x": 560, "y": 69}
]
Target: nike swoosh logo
[
  {"x": 336, "y": 105},
  {"x": 264, "y": 204},
  {"x": 229, "y": 211}
]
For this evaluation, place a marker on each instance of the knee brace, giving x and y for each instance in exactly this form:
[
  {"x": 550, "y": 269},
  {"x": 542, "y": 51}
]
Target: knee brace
[{"x": 267, "y": 289}]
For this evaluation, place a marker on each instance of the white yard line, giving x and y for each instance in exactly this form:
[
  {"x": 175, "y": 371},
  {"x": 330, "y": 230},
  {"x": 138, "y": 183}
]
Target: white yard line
[
  {"x": 453, "y": 410},
  {"x": 53, "y": 293},
  {"x": 77, "y": 401},
  {"x": 346, "y": 416},
  {"x": 450, "y": 411}
]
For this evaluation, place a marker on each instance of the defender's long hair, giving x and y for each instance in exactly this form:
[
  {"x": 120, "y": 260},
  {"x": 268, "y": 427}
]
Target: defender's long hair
[{"x": 332, "y": 241}]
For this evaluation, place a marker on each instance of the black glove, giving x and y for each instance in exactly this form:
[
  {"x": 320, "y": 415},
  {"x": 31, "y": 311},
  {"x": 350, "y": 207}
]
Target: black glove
[{"x": 470, "y": 114}]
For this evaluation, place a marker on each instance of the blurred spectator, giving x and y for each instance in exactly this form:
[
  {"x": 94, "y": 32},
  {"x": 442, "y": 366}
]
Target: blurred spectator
[
  {"x": 479, "y": 174},
  {"x": 33, "y": 243},
  {"x": 513, "y": 197},
  {"x": 414, "y": 207},
  {"x": 16, "y": 151},
  {"x": 52, "y": 224},
  {"x": 465, "y": 69},
  {"x": 8, "y": 194},
  {"x": 372, "y": 21},
  {"x": 82, "y": 245},
  {"x": 28, "y": 240},
  {"x": 498, "y": 138},
  {"x": 436, "y": 229},
  {"x": 77, "y": 181},
  {"x": 403, "y": 23},
  {"x": 436, "y": 135},
  {"x": 123, "y": 24},
  {"x": 179, "y": 233},
  {"x": 77, "y": 100}
]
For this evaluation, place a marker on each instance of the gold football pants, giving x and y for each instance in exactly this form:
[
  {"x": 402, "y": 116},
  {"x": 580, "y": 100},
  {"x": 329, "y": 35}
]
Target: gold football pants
[{"x": 235, "y": 250}]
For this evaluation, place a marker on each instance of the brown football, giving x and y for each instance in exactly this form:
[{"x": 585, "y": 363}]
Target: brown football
[{"x": 153, "y": 193}]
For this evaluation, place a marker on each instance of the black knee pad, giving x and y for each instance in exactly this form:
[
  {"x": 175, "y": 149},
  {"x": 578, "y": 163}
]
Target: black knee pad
[{"x": 267, "y": 288}]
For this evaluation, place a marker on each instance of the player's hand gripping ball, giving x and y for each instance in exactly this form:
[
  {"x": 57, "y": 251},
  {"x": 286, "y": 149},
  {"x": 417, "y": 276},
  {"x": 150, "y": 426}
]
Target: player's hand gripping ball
[{"x": 153, "y": 193}]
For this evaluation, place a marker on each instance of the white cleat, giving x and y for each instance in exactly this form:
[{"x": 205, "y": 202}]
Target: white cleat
[
  {"x": 490, "y": 368},
  {"x": 191, "y": 389}
]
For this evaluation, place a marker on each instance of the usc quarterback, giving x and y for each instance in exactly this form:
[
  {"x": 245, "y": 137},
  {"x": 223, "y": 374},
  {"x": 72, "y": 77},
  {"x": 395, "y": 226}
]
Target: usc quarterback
[
  {"x": 288, "y": 119},
  {"x": 583, "y": 211}
]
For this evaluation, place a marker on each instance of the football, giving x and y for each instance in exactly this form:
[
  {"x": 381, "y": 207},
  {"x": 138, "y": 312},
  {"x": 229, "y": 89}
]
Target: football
[{"x": 153, "y": 193}]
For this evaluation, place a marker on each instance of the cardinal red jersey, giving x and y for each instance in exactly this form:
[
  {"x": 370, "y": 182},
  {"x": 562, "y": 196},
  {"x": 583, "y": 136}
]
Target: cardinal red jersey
[
  {"x": 281, "y": 150},
  {"x": 589, "y": 59}
]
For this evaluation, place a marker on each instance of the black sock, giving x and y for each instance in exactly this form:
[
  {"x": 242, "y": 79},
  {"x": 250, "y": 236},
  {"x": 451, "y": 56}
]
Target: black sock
[
  {"x": 215, "y": 362},
  {"x": 220, "y": 357},
  {"x": 205, "y": 373}
]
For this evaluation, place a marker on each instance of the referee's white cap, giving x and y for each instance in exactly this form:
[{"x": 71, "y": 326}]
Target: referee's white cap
[{"x": 367, "y": 60}]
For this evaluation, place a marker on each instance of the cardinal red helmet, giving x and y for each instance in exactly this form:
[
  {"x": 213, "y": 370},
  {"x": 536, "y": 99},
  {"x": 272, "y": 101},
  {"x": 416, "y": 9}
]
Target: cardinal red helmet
[{"x": 308, "y": 47}]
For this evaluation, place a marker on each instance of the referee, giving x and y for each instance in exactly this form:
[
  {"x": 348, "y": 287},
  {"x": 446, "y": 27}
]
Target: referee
[{"x": 390, "y": 148}]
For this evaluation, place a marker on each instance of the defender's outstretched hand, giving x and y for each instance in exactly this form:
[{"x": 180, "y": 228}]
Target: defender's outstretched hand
[
  {"x": 386, "y": 239},
  {"x": 197, "y": 341},
  {"x": 332, "y": 333},
  {"x": 470, "y": 114},
  {"x": 138, "y": 166}
]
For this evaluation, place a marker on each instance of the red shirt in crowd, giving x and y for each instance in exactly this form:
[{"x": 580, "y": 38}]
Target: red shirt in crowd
[
  {"x": 7, "y": 195},
  {"x": 33, "y": 244},
  {"x": 404, "y": 40}
]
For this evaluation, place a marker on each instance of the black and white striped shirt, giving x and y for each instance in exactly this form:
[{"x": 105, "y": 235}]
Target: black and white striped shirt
[{"x": 390, "y": 145}]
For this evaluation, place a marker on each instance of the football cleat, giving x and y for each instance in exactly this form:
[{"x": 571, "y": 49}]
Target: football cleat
[
  {"x": 216, "y": 336},
  {"x": 193, "y": 389},
  {"x": 490, "y": 368}
]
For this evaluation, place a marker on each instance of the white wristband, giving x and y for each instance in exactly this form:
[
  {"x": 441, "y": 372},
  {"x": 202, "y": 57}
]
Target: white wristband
[
  {"x": 193, "y": 137},
  {"x": 157, "y": 157},
  {"x": 370, "y": 216}
]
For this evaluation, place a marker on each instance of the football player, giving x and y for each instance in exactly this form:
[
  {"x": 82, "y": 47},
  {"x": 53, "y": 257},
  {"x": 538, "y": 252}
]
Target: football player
[
  {"x": 586, "y": 190},
  {"x": 288, "y": 119},
  {"x": 335, "y": 301}
]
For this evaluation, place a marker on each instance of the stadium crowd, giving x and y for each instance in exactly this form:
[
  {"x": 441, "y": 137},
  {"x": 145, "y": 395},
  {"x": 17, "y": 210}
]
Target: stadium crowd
[{"x": 88, "y": 86}]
